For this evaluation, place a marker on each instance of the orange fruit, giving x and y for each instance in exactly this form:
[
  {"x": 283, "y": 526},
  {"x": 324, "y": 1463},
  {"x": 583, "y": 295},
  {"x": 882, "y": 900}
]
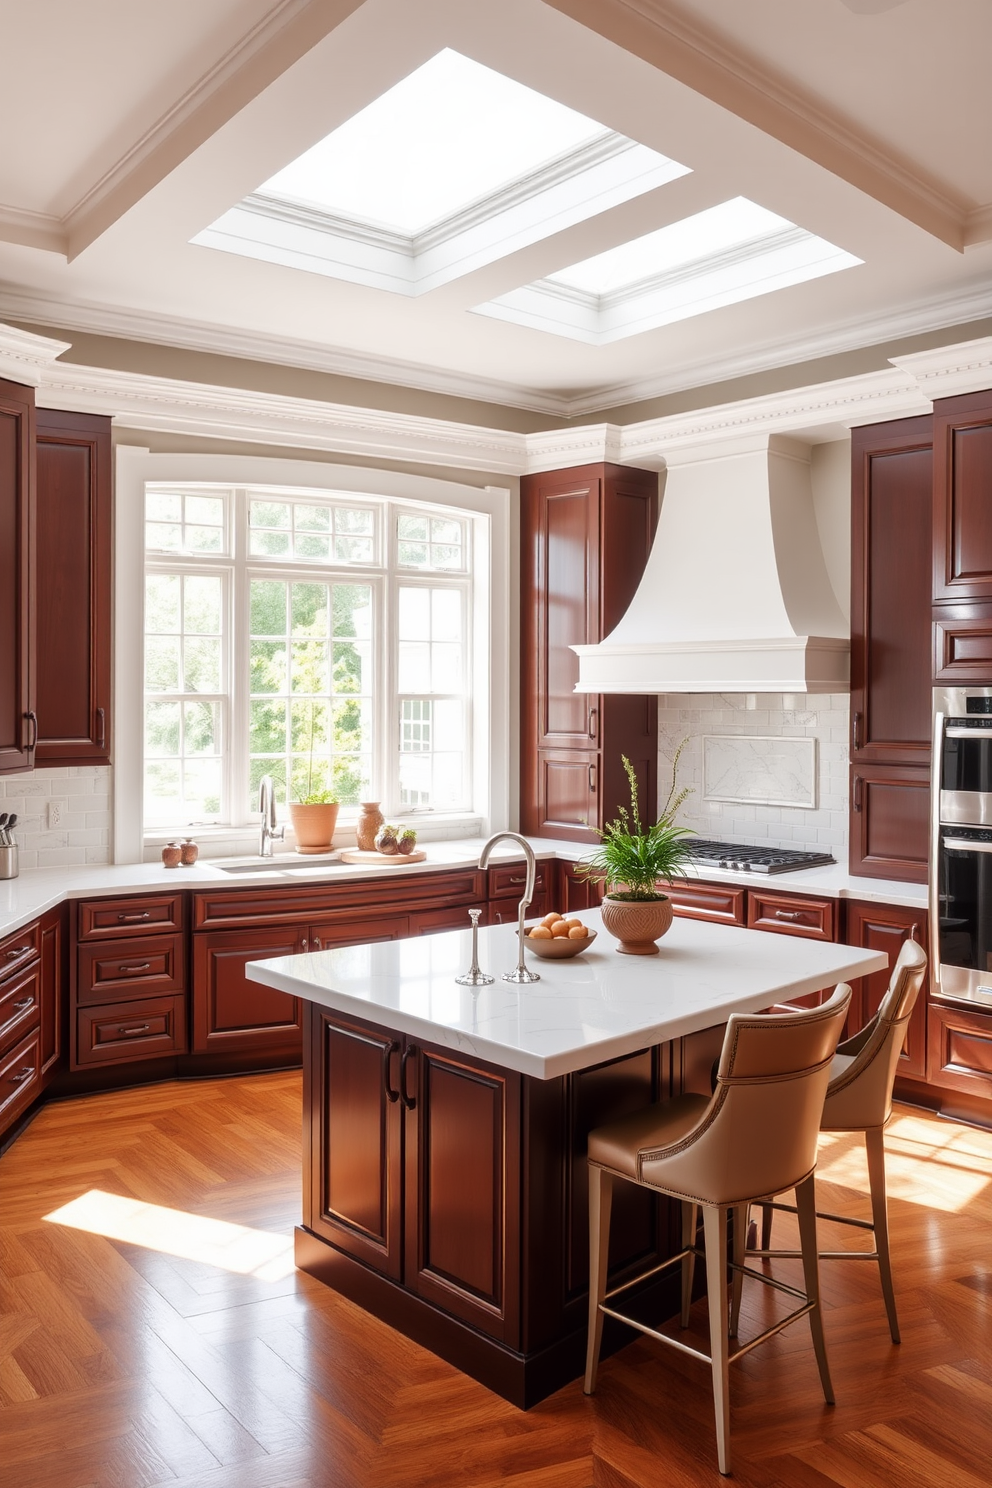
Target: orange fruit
[
  {"x": 552, "y": 918},
  {"x": 539, "y": 932},
  {"x": 559, "y": 930},
  {"x": 578, "y": 932}
]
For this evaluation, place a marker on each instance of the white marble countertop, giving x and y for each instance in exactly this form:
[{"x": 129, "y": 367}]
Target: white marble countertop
[
  {"x": 39, "y": 889},
  {"x": 598, "y": 1006}
]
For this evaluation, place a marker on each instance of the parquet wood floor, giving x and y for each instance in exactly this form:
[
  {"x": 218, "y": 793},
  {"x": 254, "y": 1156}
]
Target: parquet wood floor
[{"x": 127, "y": 1366}]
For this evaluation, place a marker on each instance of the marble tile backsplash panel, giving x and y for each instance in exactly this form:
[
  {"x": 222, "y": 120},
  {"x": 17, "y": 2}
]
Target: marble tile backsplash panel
[
  {"x": 83, "y": 833},
  {"x": 823, "y": 719}
]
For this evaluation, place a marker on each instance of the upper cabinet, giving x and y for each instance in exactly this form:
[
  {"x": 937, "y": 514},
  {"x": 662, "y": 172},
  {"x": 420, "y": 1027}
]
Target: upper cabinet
[
  {"x": 586, "y": 534},
  {"x": 18, "y": 721},
  {"x": 891, "y": 502},
  {"x": 74, "y": 591},
  {"x": 962, "y": 491}
]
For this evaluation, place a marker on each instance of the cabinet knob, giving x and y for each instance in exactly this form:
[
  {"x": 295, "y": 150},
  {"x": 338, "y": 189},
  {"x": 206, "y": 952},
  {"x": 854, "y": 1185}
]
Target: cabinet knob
[
  {"x": 316, "y": 943},
  {"x": 304, "y": 943}
]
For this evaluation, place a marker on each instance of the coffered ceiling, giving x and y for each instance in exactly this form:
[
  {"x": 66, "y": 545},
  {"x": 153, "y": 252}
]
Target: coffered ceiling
[{"x": 131, "y": 126}]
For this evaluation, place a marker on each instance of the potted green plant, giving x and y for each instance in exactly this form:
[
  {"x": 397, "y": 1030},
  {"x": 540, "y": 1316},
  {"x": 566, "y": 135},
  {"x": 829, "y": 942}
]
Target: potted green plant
[
  {"x": 631, "y": 859},
  {"x": 314, "y": 811}
]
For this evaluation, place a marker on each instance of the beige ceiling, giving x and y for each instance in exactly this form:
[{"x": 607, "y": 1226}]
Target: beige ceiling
[{"x": 132, "y": 124}]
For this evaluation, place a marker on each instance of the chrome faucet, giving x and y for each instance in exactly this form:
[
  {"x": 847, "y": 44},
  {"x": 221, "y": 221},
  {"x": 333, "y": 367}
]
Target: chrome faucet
[
  {"x": 520, "y": 973},
  {"x": 267, "y": 806}
]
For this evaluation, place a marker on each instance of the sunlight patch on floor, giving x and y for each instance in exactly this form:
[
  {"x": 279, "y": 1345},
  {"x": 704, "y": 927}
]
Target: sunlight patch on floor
[
  {"x": 939, "y": 1167},
  {"x": 192, "y": 1237}
]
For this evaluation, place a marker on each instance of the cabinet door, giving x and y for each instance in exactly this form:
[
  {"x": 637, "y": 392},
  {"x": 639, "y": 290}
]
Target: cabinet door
[
  {"x": 353, "y": 1175},
  {"x": 18, "y": 721},
  {"x": 73, "y": 606},
  {"x": 959, "y": 1050},
  {"x": 884, "y": 927},
  {"x": 233, "y": 1014},
  {"x": 461, "y": 1195},
  {"x": 890, "y": 822},
  {"x": 568, "y": 794},
  {"x": 962, "y": 498},
  {"x": 891, "y": 568},
  {"x": 575, "y": 892}
]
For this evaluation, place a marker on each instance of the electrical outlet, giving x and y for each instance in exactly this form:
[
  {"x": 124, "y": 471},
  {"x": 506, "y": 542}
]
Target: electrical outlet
[{"x": 55, "y": 811}]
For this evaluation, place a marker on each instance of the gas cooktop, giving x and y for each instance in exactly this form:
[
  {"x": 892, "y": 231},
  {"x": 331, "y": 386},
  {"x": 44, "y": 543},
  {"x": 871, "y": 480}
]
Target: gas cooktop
[{"x": 755, "y": 859}]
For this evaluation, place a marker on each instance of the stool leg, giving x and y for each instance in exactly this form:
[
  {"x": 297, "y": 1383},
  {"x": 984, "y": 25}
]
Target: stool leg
[
  {"x": 806, "y": 1208},
  {"x": 740, "y": 1248},
  {"x": 600, "y": 1205},
  {"x": 875, "y": 1143},
  {"x": 715, "y": 1230},
  {"x": 690, "y": 1214},
  {"x": 767, "y": 1215}
]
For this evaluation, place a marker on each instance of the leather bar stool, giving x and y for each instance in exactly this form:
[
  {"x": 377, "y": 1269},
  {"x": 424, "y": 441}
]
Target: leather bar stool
[
  {"x": 859, "y": 1099},
  {"x": 755, "y": 1137}
]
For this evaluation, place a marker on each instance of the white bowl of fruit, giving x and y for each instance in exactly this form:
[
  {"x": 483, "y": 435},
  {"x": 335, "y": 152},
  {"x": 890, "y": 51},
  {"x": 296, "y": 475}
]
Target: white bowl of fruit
[{"x": 556, "y": 937}]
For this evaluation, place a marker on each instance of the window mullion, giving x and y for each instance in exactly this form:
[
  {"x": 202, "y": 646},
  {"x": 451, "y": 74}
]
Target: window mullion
[{"x": 240, "y": 807}]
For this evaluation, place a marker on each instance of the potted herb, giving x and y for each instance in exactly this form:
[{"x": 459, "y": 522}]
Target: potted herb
[
  {"x": 314, "y": 812},
  {"x": 629, "y": 862}
]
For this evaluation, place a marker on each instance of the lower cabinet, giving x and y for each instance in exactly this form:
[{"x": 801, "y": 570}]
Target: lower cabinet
[
  {"x": 884, "y": 927},
  {"x": 30, "y": 1013},
  {"x": 573, "y": 891},
  {"x": 959, "y": 1050},
  {"x": 414, "y": 1167}
]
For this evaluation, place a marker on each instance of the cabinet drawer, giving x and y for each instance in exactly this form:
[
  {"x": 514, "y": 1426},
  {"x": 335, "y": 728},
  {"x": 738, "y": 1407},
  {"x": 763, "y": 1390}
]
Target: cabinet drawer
[
  {"x": 815, "y": 919},
  {"x": 105, "y": 919},
  {"x": 130, "y": 1030},
  {"x": 394, "y": 890},
  {"x": 20, "y": 1005},
  {"x": 133, "y": 968},
  {"x": 959, "y": 1049},
  {"x": 20, "y": 1077},
  {"x": 20, "y": 949},
  {"x": 509, "y": 880},
  {"x": 707, "y": 902}
]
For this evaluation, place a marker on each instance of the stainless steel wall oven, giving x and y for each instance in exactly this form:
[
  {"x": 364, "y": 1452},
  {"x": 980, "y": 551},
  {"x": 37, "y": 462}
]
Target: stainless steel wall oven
[{"x": 961, "y": 845}]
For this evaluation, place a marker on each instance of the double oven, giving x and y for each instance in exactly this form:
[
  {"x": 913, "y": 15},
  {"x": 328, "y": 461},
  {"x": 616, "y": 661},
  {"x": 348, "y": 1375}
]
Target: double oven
[{"x": 961, "y": 846}]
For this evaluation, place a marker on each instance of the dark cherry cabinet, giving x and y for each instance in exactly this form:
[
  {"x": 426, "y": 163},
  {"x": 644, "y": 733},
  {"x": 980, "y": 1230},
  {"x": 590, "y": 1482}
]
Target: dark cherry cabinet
[
  {"x": 891, "y": 576},
  {"x": 18, "y": 719},
  {"x": 586, "y": 534},
  {"x": 962, "y": 491},
  {"x": 884, "y": 927},
  {"x": 31, "y": 1012},
  {"x": 413, "y": 1167},
  {"x": 232, "y": 1013},
  {"x": 128, "y": 984},
  {"x": 73, "y": 609}
]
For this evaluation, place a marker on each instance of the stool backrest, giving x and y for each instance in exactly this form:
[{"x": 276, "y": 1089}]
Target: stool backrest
[
  {"x": 758, "y": 1135},
  {"x": 859, "y": 1094}
]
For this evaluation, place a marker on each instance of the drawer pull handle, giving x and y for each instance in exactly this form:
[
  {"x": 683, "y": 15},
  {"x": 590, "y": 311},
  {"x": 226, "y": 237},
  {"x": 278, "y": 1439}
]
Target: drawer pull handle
[
  {"x": 522, "y": 878},
  {"x": 27, "y": 1002},
  {"x": 132, "y": 919},
  {"x": 18, "y": 951},
  {"x": 22, "y": 1075},
  {"x": 133, "y": 970},
  {"x": 127, "y": 1032},
  {"x": 787, "y": 914}
]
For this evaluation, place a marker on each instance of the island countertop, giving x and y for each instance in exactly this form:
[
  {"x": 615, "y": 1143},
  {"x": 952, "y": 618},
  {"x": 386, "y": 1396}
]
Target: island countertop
[{"x": 600, "y": 1005}]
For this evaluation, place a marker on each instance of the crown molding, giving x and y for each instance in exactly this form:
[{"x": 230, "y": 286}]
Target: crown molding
[
  {"x": 586, "y": 445},
  {"x": 25, "y": 357},
  {"x": 168, "y": 406},
  {"x": 949, "y": 371},
  {"x": 664, "y": 36},
  {"x": 33, "y": 229},
  {"x": 193, "y": 335}
]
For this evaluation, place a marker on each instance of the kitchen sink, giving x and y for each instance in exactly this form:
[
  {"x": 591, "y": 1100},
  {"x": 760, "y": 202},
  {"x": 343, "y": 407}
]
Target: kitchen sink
[{"x": 276, "y": 865}]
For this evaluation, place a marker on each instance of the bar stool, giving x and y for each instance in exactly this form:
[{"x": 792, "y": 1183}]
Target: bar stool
[
  {"x": 859, "y": 1098},
  {"x": 755, "y": 1137}
]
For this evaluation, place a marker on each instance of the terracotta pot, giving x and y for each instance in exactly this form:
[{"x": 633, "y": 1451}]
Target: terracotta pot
[
  {"x": 171, "y": 855},
  {"x": 189, "y": 853},
  {"x": 637, "y": 923},
  {"x": 313, "y": 825},
  {"x": 370, "y": 819}
]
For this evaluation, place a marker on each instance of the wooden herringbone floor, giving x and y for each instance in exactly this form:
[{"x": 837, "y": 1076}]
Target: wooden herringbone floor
[{"x": 126, "y": 1365}]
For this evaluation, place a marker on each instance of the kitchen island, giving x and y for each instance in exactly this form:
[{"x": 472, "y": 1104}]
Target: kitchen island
[{"x": 445, "y": 1126}]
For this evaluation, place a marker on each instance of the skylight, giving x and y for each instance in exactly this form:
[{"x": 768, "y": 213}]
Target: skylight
[
  {"x": 454, "y": 167},
  {"x": 450, "y": 133},
  {"x": 718, "y": 257}
]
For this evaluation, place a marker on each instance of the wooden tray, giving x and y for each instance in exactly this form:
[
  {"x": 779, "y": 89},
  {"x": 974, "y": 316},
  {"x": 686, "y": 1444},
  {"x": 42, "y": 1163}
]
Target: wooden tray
[{"x": 383, "y": 860}]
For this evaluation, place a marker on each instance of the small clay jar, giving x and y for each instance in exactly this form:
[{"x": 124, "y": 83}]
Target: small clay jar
[
  {"x": 172, "y": 855},
  {"x": 370, "y": 819},
  {"x": 189, "y": 852}
]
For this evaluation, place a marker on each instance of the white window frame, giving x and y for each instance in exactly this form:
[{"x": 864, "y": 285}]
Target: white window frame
[{"x": 490, "y": 511}]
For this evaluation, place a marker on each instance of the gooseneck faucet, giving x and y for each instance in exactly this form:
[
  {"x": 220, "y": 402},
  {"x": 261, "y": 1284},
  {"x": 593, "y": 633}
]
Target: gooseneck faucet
[
  {"x": 267, "y": 806},
  {"x": 520, "y": 973}
]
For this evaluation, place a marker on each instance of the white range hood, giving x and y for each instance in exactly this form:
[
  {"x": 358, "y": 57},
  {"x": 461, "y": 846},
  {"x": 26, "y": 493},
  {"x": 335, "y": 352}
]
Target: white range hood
[{"x": 735, "y": 596}]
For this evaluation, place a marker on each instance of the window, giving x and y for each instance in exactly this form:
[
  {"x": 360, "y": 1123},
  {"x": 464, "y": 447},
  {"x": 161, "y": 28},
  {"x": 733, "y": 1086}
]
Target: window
[{"x": 323, "y": 640}]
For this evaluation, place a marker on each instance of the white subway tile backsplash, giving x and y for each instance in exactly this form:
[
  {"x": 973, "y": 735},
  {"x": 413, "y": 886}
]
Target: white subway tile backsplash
[
  {"x": 825, "y": 719},
  {"x": 83, "y": 834}
]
